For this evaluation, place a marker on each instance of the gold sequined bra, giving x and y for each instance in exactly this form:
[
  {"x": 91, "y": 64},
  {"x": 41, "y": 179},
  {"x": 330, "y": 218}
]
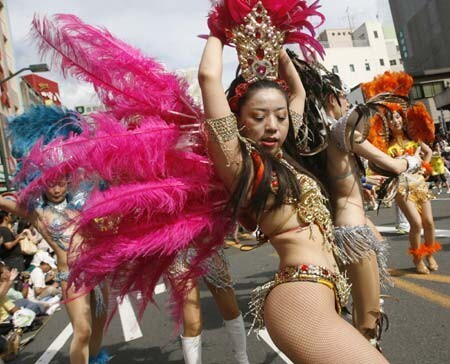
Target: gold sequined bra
[{"x": 311, "y": 209}]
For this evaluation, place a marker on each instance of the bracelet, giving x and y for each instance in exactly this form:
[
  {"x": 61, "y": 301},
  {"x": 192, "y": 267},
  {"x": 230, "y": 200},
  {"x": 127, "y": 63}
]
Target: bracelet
[
  {"x": 363, "y": 180},
  {"x": 412, "y": 162},
  {"x": 368, "y": 186}
]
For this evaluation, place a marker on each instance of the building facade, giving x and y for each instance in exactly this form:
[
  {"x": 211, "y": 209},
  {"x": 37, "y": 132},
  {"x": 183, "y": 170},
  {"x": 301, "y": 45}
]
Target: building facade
[
  {"x": 359, "y": 55},
  {"x": 9, "y": 91},
  {"x": 423, "y": 31},
  {"x": 37, "y": 90},
  {"x": 9, "y": 94}
]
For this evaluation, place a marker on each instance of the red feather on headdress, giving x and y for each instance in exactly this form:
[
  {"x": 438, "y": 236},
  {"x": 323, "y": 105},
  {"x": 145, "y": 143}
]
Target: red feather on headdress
[{"x": 290, "y": 16}]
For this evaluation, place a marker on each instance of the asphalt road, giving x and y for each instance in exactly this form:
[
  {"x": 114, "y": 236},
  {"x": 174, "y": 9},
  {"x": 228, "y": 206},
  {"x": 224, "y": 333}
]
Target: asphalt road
[{"x": 419, "y": 316}]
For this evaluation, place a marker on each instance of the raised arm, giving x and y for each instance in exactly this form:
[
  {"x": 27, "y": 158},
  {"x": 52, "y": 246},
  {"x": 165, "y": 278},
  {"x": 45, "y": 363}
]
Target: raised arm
[
  {"x": 426, "y": 152},
  {"x": 289, "y": 74},
  {"x": 13, "y": 207},
  {"x": 221, "y": 126}
]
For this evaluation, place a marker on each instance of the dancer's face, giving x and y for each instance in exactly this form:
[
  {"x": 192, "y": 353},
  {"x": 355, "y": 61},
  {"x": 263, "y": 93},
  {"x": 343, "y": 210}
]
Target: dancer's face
[
  {"x": 338, "y": 106},
  {"x": 265, "y": 118},
  {"x": 56, "y": 191},
  {"x": 396, "y": 123}
]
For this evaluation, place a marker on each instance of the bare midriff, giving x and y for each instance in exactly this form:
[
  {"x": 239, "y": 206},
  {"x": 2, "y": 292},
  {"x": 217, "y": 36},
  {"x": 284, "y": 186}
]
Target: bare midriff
[{"x": 295, "y": 242}]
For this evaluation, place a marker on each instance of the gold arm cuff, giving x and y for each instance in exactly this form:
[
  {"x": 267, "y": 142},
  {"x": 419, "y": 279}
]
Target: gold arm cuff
[
  {"x": 222, "y": 129},
  {"x": 297, "y": 120}
]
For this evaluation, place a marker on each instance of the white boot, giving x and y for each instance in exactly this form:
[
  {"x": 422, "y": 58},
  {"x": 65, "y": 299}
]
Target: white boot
[
  {"x": 236, "y": 331},
  {"x": 192, "y": 349}
]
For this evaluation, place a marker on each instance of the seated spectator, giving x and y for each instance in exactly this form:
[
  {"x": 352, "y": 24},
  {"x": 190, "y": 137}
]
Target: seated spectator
[
  {"x": 9, "y": 306},
  {"x": 10, "y": 251},
  {"x": 38, "y": 258},
  {"x": 41, "y": 287}
]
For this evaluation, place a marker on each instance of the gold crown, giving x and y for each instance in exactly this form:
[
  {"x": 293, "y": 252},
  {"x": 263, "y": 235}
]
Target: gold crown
[{"x": 258, "y": 44}]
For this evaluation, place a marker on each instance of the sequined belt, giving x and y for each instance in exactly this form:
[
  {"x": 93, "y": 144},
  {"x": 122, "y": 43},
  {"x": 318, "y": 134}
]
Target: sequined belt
[
  {"x": 315, "y": 273},
  {"x": 300, "y": 273}
]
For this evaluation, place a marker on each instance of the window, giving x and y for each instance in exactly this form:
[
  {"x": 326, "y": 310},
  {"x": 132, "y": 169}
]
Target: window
[
  {"x": 367, "y": 65},
  {"x": 339, "y": 33},
  {"x": 428, "y": 90},
  {"x": 375, "y": 33},
  {"x": 333, "y": 34},
  {"x": 393, "y": 62},
  {"x": 398, "y": 48},
  {"x": 352, "y": 68},
  {"x": 381, "y": 62},
  {"x": 335, "y": 69},
  {"x": 400, "y": 61}
]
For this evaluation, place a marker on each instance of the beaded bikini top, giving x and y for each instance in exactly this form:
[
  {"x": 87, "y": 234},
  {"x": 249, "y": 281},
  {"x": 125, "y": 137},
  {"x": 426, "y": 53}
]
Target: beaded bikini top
[{"x": 310, "y": 207}]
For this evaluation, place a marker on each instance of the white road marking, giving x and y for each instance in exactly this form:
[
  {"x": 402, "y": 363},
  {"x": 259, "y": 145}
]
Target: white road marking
[
  {"x": 130, "y": 325},
  {"x": 391, "y": 229},
  {"x": 160, "y": 288},
  {"x": 263, "y": 334},
  {"x": 56, "y": 345}
]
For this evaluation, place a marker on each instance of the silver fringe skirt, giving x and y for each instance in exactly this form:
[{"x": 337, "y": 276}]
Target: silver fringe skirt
[{"x": 357, "y": 242}]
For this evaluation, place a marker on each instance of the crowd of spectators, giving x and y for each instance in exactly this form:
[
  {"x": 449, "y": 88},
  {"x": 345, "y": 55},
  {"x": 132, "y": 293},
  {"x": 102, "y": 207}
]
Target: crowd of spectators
[{"x": 28, "y": 283}]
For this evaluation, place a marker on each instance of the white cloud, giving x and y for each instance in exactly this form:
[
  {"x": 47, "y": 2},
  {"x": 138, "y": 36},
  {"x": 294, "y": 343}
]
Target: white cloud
[{"x": 163, "y": 29}]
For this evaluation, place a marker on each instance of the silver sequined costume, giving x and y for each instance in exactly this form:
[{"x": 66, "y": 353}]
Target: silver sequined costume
[{"x": 216, "y": 266}]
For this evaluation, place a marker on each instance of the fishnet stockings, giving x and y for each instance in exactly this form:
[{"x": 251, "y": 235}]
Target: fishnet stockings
[{"x": 303, "y": 323}]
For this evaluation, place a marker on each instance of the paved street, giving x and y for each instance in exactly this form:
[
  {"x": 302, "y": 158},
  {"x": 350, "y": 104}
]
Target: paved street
[{"x": 420, "y": 320}]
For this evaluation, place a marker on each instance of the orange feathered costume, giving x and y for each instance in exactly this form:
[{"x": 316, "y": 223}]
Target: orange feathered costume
[{"x": 419, "y": 124}]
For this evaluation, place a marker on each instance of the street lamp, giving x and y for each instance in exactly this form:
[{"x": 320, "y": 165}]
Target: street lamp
[{"x": 41, "y": 67}]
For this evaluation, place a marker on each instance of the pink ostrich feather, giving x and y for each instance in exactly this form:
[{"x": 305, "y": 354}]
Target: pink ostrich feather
[
  {"x": 162, "y": 195},
  {"x": 125, "y": 80},
  {"x": 294, "y": 17}
]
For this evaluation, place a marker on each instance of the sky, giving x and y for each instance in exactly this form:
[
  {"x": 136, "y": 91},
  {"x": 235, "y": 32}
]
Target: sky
[{"x": 163, "y": 29}]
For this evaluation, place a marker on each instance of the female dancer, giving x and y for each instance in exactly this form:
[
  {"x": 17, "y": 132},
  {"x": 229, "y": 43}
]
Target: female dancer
[
  {"x": 413, "y": 196},
  {"x": 51, "y": 219},
  {"x": 401, "y": 134},
  {"x": 272, "y": 191},
  {"x": 52, "y": 214}
]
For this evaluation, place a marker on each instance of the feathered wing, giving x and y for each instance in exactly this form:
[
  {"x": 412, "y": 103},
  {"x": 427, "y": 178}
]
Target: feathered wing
[
  {"x": 156, "y": 192},
  {"x": 126, "y": 81}
]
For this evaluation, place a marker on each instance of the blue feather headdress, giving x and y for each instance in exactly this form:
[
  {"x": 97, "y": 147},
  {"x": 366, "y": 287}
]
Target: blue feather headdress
[
  {"x": 40, "y": 124},
  {"x": 47, "y": 122}
]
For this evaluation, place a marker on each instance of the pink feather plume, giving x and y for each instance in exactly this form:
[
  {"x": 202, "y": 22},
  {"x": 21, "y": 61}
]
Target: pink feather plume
[
  {"x": 125, "y": 80},
  {"x": 162, "y": 195}
]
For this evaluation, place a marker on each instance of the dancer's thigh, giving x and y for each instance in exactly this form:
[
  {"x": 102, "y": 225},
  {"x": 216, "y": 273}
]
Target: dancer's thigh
[
  {"x": 302, "y": 322},
  {"x": 79, "y": 310}
]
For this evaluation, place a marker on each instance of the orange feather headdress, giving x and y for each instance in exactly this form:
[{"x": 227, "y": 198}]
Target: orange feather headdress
[
  {"x": 398, "y": 83},
  {"x": 419, "y": 123}
]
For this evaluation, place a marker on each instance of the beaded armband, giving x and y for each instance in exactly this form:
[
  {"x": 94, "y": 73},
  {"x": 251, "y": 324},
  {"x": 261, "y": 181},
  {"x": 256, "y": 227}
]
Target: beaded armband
[
  {"x": 223, "y": 129},
  {"x": 297, "y": 120}
]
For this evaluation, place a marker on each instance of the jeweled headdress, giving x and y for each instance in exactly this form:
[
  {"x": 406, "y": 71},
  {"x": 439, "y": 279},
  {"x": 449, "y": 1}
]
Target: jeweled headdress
[
  {"x": 258, "y": 30},
  {"x": 392, "y": 89}
]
